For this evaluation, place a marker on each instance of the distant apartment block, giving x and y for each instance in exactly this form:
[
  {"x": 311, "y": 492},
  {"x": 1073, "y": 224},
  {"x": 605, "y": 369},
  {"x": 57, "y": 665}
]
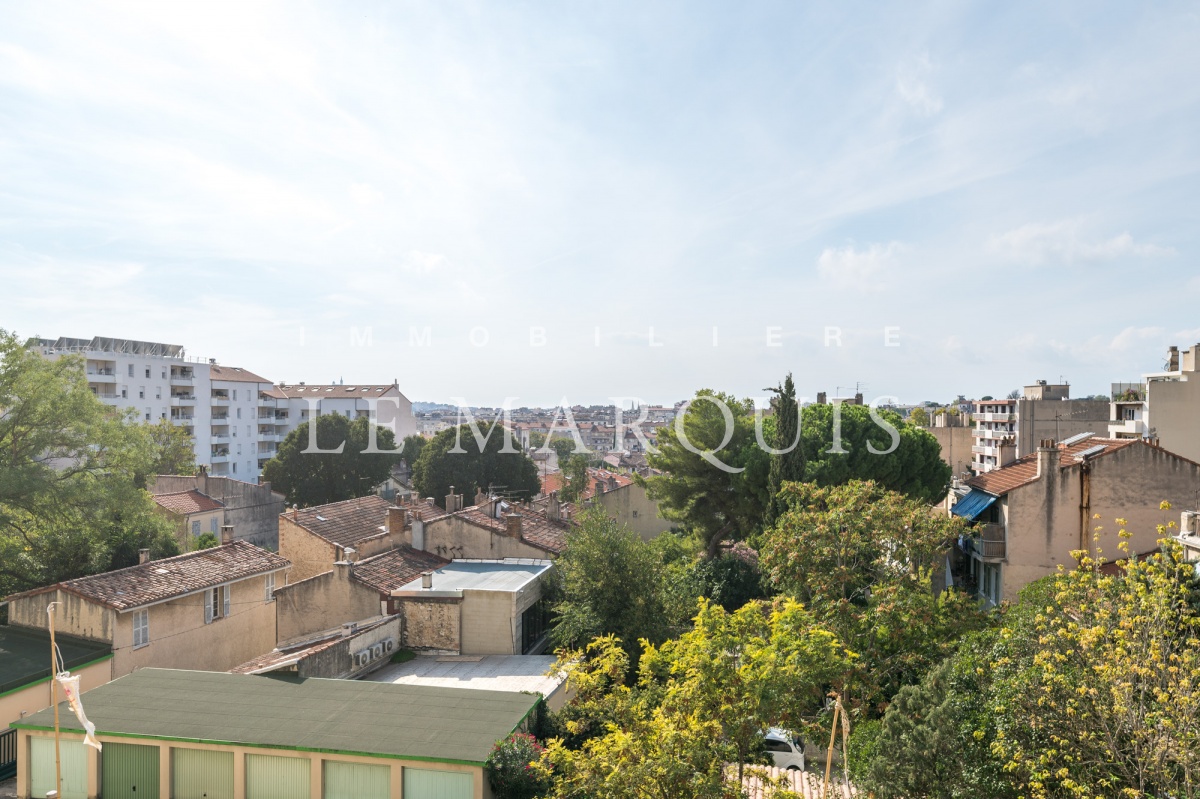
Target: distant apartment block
[
  {"x": 299, "y": 402},
  {"x": 1007, "y": 429},
  {"x": 1164, "y": 407}
]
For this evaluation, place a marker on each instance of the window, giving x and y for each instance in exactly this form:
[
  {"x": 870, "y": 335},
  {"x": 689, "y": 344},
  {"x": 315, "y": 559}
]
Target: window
[
  {"x": 270, "y": 587},
  {"x": 141, "y": 392},
  {"x": 141, "y": 628},
  {"x": 235, "y": 468},
  {"x": 196, "y": 529},
  {"x": 225, "y": 590},
  {"x": 212, "y": 525},
  {"x": 212, "y": 605},
  {"x": 147, "y": 371},
  {"x": 534, "y": 623},
  {"x": 239, "y": 413},
  {"x": 131, "y": 370}
]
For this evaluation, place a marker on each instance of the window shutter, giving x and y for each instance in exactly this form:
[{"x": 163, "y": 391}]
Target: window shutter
[
  {"x": 208, "y": 606},
  {"x": 225, "y": 609}
]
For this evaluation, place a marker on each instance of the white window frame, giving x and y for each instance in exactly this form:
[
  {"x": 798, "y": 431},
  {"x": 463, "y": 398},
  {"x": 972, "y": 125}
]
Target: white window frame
[
  {"x": 141, "y": 628},
  {"x": 225, "y": 603},
  {"x": 269, "y": 590},
  {"x": 210, "y": 605}
]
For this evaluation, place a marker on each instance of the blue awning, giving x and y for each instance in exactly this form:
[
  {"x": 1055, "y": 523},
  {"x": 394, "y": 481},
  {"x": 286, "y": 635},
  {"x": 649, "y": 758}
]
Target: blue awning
[{"x": 973, "y": 504}]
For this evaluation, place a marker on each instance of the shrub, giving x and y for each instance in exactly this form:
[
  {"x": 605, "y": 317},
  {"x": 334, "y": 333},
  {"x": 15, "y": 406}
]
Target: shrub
[{"x": 512, "y": 768}]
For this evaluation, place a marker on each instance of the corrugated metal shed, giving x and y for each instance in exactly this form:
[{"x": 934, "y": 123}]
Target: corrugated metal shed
[{"x": 339, "y": 716}]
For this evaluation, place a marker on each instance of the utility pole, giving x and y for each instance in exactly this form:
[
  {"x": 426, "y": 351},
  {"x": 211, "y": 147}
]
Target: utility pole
[{"x": 54, "y": 701}]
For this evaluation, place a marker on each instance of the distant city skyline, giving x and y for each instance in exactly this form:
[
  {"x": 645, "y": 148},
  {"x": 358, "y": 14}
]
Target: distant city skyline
[{"x": 459, "y": 197}]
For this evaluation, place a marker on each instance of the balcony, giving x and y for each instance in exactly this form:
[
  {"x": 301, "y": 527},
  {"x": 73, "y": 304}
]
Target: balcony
[
  {"x": 182, "y": 400},
  {"x": 980, "y": 449},
  {"x": 992, "y": 435},
  {"x": 219, "y": 438},
  {"x": 995, "y": 417},
  {"x": 219, "y": 457},
  {"x": 267, "y": 402},
  {"x": 991, "y": 542},
  {"x": 101, "y": 376},
  {"x": 220, "y": 402},
  {"x": 280, "y": 420},
  {"x": 220, "y": 417},
  {"x": 183, "y": 421}
]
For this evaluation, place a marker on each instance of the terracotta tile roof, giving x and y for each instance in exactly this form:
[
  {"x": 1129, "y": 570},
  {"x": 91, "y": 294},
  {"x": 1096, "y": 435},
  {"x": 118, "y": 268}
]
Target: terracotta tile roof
[
  {"x": 1023, "y": 471},
  {"x": 234, "y": 374},
  {"x": 344, "y": 523},
  {"x": 188, "y": 502},
  {"x": 358, "y": 391},
  {"x": 390, "y": 570},
  {"x": 536, "y": 528},
  {"x": 158, "y": 580},
  {"x": 555, "y": 481}
]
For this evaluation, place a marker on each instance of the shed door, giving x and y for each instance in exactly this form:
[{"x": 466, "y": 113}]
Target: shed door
[
  {"x": 356, "y": 781},
  {"x": 130, "y": 771},
  {"x": 201, "y": 774},
  {"x": 73, "y": 759},
  {"x": 428, "y": 784},
  {"x": 274, "y": 777}
]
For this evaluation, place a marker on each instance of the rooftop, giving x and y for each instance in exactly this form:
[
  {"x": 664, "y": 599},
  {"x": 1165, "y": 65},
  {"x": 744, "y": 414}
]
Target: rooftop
[
  {"x": 344, "y": 523},
  {"x": 338, "y": 391},
  {"x": 25, "y": 655},
  {"x": 160, "y": 580},
  {"x": 514, "y": 673},
  {"x": 596, "y": 477},
  {"x": 341, "y": 716},
  {"x": 235, "y": 374},
  {"x": 188, "y": 502},
  {"x": 390, "y": 570},
  {"x": 1023, "y": 471},
  {"x": 510, "y": 574},
  {"x": 536, "y": 528}
]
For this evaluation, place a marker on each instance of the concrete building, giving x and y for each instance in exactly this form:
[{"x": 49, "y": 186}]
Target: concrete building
[
  {"x": 25, "y": 671},
  {"x": 1031, "y": 514},
  {"x": 1008, "y": 429},
  {"x": 216, "y": 405},
  {"x": 391, "y": 408},
  {"x": 618, "y": 494},
  {"x": 346, "y": 652},
  {"x": 1165, "y": 407},
  {"x": 491, "y": 529},
  {"x": 315, "y": 538},
  {"x": 212, "y": 608},
  {"x": 477, "y": 607},
  {"x": 530, "y": 674},
  {"x": 193, "y": 734},
  {"x": 204, "y": 503}
]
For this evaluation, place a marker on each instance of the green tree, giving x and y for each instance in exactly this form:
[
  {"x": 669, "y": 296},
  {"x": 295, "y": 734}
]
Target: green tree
[
  {"x": 411, "y": 448},
  {"x": 207, "y": 541},
  {"x": 787, "y": 463},
  {"x": 318, "y": 478},
  {"x": 72, "y": 475},
  {"x": 563, "y": 448},
  {"x": 173, "y": 449},
  {"x": 610, "y": 585},
  {"x": 575, "y": 478},
  {"x": 508, "y": 768},
  {"x": 914, "y": 467},
  {"x": 454, "y": 458},
  {"x": 919, "y": 417},
  {"x": 862, "y": 558},
  {"x": 758, "y": 667},
  {"x": 704, "y": 485}
]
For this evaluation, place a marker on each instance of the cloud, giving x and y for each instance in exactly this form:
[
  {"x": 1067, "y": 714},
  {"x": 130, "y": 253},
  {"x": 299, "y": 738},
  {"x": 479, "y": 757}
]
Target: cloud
[
  {"x": 1063, "y": 242},
  {"x": 914, "y": 89},
  {"x": 859, "y": 268}
]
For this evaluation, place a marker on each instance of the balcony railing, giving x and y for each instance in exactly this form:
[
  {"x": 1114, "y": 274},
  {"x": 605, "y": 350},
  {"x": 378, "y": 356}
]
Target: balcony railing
[
  {"x": 995, "y": 417},
  {"x": 266, "y": 402},
  {"x": 991, "y": 542},
  {"x": 178, "y": 400}
]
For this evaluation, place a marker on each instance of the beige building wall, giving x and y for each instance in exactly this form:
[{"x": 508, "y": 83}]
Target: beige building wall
[
  {"x": 26, "y": 701},
  {"x": 320, "y": 603},
  {"x": 310, "y": 554},
  {"x": 1048, "y": 519},
  {"x": 955, "y": 443},
  {"x": 452, "y": 537},
  {"x": 1175, "y": 414},
  {"x": 488, "y": 624},
  {"x": 74, "y": 615},
  {"x": 316, "y": 769},
  {"x": 179, "y": 638},
  {"x": 631, "y": 506}
]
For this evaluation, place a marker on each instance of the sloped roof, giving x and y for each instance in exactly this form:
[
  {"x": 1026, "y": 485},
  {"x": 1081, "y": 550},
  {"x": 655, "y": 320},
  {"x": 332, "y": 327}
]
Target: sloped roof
[
  {"x": 1023, "y": 471},
  {"x": 344, "y": 523},
  {"x": 390, "y": 570},
  {"x": 556, "y": 480},
  {"x": 159, "y": 580},
  {"x": 358, "y": 391},
  {"x": 536, "y": 528},
  {"x": 185, "y": 503},
  {"x": 339, "y": 716},
  {"x": 235, "y": 374}
]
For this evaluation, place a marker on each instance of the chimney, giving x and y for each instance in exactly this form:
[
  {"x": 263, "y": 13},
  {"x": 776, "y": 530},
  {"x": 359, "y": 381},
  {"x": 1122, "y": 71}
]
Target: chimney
[
  {"x": 1173, "y": 359},
  {"x": 820, "y": 397},
  {"x": 295, "y": 512},
  {"x": 418, "y": 533},
  {"x": 397, "y": 520},
  {"x": 143, "y": 556},
  {"x": 1047, "y": 457},
  {"x": 513, "y": 525},
  {"x": 612, "y": 482},
  {"x": 226, "y": 534},
  {"x": 451, "y": 501},
  {"x": 553, "y": 507},
  {"x": 480, "y": 497},
  {"x": 1008, "y": 451},
  {"x": 350, "y": 555},
  {"x": 858, "y": 398},
  {"x": 427, "y": 581},
  {"x": 342, "y": 569}
]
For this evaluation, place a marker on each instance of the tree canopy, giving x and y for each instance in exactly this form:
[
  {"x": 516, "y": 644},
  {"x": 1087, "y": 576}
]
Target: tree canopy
[
  {"x": 318, "y": 478},
  {"x": 72, "y": 475},
  {"x": 787, "y": 461},
  {"x": 454, "y": 458},
  {"x": 918, "y": 417}
]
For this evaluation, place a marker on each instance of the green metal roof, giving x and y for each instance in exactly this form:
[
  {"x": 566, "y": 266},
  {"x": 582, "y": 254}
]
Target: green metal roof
[
  {"x": 344, "y": 716},
  {"x": 25, "y": 655}
]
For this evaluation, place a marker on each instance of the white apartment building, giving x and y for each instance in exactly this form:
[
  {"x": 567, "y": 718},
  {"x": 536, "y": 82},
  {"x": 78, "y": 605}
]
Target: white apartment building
[
  {"x": 1165, "y": 407},
  {"x": 391, "y": 408},
  {"x": 217, "y": 405},
  {"x": 994, "y": 434},
  {"x": 1008, "y": 429}
]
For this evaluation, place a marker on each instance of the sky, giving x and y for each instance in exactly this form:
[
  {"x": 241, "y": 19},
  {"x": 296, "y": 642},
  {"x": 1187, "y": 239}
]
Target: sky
[{"x": 551, "y": 201}]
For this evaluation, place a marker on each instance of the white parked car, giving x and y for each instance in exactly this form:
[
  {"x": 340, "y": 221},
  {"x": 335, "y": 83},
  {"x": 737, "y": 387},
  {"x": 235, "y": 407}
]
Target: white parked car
[{"x": 787, "y": 750}]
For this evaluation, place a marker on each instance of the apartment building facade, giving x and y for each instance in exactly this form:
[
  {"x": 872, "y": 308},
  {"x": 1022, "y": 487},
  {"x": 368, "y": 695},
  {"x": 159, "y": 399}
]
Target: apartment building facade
[
  {"x": 296, "y": 404},
  {"x": 1007, "y": 429},
  {"x": 1164, "y": 407}
]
